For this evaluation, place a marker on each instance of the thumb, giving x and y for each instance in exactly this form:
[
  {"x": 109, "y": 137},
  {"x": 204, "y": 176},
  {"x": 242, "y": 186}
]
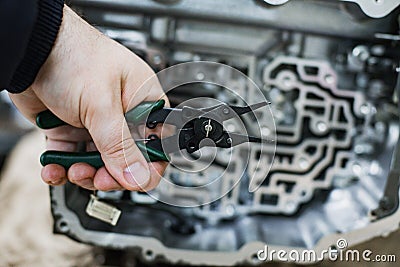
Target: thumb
[{"x": 122, "y": 158}]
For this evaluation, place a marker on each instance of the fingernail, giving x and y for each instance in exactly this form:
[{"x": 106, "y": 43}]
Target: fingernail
[
  {"x": 137, "y": 174},
  {"x": 55, "y": 182},
  {"x": 86, "y": 183}
]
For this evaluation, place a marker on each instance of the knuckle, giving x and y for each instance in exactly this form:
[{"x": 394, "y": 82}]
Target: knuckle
[{"x": 116, "y": 149}]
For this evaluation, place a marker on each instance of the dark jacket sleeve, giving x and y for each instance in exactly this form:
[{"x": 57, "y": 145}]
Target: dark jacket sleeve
[{"x": 28, "y": 29}]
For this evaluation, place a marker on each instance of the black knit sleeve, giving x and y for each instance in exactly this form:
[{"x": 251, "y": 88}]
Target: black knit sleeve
[{"x": 28, "y": 29}]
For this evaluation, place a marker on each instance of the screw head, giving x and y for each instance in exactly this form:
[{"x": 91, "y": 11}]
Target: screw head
[
  {"x": 321, "y": 126},
  {"x": 157, "y": 59},
  {"x": 200, "y": 76}
]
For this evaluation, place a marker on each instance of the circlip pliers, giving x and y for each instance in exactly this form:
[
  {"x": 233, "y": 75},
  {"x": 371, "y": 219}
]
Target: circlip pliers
[{"x": 193, "y": 126}]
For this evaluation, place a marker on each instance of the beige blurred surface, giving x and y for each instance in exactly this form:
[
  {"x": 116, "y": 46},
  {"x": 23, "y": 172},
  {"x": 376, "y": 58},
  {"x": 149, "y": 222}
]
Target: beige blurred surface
[{"x": 26, "y": 237}]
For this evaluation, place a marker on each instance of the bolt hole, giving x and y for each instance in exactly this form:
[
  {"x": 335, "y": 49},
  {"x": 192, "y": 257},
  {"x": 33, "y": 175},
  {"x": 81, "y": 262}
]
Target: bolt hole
[
  {"x": 287, "y": 81},
  {"x": 151, "y": 125},
  {"x": 63, "y": 226},
  {"x": 200, "y": 76},
  {"x": 329, "y": 79},
  {"x": 254, "y": 258},
  {"x": 149, "y": 255}
]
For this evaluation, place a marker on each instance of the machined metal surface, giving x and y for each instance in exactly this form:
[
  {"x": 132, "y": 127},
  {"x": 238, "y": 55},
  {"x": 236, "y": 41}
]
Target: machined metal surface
[
  {"x": 376, "y": 8},
  {"x": 372, "y": 8},
  {"x": 331, "y": 81}
]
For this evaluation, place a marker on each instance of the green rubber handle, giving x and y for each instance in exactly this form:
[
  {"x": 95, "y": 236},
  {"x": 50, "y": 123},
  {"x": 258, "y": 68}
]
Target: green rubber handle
[
  {"x": 66, "y": 159},
  {"x": 47, "y": 120},
  {"x": 151, "y": 154},
  {"x": 140, "y": 113}
]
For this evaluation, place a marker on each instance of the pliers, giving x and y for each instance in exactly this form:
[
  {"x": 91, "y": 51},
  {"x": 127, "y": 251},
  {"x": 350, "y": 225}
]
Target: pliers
[{"x": 193, "y": 125}]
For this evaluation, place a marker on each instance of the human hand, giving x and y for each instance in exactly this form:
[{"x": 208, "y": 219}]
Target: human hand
[{"x": 90, "y": 81}]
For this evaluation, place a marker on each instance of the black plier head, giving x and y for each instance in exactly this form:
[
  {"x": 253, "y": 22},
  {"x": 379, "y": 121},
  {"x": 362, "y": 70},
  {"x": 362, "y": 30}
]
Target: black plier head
[{"x": 199, "y": 127}]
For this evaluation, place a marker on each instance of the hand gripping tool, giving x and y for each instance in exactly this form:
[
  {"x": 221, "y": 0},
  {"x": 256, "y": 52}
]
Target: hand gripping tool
[{"x": 193, "y": 125}]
